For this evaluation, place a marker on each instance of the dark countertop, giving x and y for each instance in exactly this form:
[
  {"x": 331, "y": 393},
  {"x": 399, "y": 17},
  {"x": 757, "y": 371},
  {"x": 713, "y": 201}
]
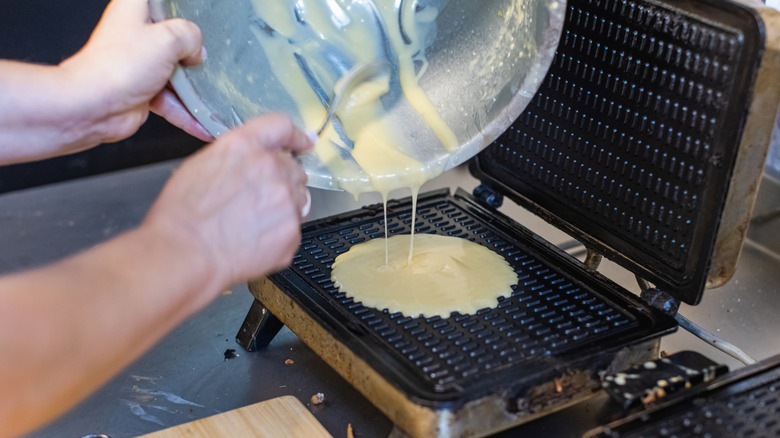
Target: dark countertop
[{"x": 186, "y": 376}]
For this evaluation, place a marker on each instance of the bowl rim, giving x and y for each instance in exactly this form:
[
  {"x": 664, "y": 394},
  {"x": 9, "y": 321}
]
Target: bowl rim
[{"x": 468, "y": 149}]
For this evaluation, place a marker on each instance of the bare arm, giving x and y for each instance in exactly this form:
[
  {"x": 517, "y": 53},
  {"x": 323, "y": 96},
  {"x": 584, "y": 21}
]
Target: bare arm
[
  {"x": 101, "y": 94},
  {"x": 66, "y": 329},
  {"x": 230, "y": 213}
]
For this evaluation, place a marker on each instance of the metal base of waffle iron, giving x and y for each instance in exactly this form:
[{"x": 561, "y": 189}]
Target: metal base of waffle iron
[
  {"x": 412, "y": 417},
  {"x": 540, "y": 350}
]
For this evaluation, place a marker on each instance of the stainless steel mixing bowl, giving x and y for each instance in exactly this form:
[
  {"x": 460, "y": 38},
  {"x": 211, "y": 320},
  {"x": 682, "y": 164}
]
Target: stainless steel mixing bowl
[{"x": 486, "y": 60}]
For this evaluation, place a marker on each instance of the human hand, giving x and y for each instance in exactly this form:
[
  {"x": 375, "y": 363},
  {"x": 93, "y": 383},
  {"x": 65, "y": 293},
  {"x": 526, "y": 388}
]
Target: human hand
[
  {"x": 238, "y": 202},
  {"x": 126, "y": 65}
]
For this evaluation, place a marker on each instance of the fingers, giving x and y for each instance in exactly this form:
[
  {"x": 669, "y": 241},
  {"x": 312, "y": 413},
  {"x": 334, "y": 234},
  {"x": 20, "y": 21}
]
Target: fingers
[
  {"x": 275, "y": 132},
  {"x": 181, "y": 39},
  {"x": 303, "y": 198},
  {"x": 296, "y": 180},
  {"x": 168, "y": 105},
  {"x": 307, "y": 205},
  {"x": 244, "y": 196}
]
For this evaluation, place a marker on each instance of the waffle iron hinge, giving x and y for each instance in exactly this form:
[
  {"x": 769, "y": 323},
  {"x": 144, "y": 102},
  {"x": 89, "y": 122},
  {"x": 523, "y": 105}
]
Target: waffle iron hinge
[
  {"x": 653, "y": 297},
  {"x": 592, "y": 260},
  {"x": 488, "y": 196},
  {"x": 660, "y": 300},
  {"x": 656, "y": 298},
  {"x": 493, "y": 199}
]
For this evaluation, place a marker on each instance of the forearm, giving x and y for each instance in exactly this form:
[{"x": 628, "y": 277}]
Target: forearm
[
  {"x": 67, "y": 328},
  {"x": 229, "y": 213},
  {"x": 45, "y": 111}
]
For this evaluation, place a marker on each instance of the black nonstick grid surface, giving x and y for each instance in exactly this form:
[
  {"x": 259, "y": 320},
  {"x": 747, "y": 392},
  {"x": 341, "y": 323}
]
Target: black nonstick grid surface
[
  {"x": 743, "y": 404},
  {"x": 557, "y": 312},
  {"x": 630, "y": 142}
]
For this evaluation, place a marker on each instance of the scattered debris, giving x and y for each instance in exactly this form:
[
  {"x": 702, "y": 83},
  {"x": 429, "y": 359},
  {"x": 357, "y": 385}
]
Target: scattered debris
[
  {"x": 318, "y": 398},
  {"x": 289, "y": 362},
  {"x": 230, "y": 353},
  {"x": 350, "y": 434}
]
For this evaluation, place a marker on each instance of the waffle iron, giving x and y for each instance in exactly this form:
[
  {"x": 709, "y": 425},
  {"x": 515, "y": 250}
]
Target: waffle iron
[{"x": 645, "y": 142}]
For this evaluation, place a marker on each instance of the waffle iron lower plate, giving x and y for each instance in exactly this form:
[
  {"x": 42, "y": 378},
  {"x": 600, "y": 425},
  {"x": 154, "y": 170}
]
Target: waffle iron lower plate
[{"x": 538, "y": 350}]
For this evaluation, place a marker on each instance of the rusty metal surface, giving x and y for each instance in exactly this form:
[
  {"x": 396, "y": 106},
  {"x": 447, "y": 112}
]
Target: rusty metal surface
[
  {"x": 750, "y": 162},
  {"x": 416, "y": 418}
]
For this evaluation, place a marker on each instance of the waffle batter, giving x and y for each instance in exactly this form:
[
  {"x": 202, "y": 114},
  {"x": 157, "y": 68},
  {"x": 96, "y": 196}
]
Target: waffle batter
[{"x": 447, "y": 274}]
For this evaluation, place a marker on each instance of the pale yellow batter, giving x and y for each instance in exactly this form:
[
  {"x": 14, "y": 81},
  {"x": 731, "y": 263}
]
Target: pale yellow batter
[
  {"x": 323, "y": 33},
  {"x": 447, "y": 274},
  {"x": 314, "y": 41}
]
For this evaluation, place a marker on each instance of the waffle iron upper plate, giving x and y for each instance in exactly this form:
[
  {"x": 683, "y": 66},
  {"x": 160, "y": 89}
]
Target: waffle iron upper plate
[{"x": 630, "y": 145}]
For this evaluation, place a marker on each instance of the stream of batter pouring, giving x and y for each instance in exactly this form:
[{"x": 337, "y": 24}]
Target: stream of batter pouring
[{"x": 313, "y": 43}]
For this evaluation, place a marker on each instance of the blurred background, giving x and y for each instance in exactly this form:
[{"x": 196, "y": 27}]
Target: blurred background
[{"x": 47, "y": 32}]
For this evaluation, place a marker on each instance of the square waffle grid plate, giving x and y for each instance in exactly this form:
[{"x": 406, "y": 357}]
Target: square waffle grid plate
[
  {"x": 743, "y": 404},
  {"x": 630, "y": 142},
  {"x": 557, "y": 316}
]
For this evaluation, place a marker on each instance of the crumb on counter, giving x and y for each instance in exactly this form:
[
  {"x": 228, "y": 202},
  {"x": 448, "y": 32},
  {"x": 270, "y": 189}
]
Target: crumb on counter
[{"x": 318, "y": 398}]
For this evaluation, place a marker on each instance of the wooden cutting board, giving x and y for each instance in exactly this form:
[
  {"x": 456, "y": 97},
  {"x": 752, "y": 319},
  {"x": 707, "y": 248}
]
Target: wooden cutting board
[{"x": 283, "y": 417}]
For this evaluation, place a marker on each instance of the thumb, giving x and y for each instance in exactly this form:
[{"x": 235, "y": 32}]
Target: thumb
[{"x": 180, "y": 38}]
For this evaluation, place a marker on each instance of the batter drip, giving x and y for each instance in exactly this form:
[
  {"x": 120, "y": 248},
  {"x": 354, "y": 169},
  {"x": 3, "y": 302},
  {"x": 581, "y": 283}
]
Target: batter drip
[{"x": 309, "y": 42}]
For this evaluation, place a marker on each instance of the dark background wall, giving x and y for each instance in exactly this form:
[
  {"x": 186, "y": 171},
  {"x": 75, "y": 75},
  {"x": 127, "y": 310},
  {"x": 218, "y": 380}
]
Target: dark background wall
[{"x": 46, "y": 31}]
